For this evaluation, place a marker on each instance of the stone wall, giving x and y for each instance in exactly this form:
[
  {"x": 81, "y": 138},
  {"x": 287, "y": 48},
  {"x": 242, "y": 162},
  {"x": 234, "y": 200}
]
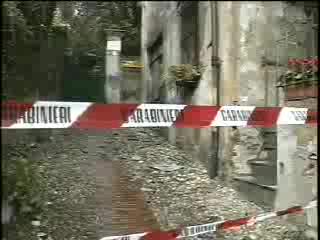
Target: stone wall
[
  {"x": 151, "y": 27},
  {"x": 159, "y": 18},
  {"x": 252, "y": 66},
  {"x": 233, "y": 74},
  {"x": 248, "y": 34},
  {"x": 254, "y": 84},
  {"x": 199, "y": 142}
]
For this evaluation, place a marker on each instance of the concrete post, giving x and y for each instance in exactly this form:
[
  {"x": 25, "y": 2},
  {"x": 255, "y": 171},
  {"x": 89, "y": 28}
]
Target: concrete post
[
  {"x": 293, "y": 151},
  {"x": 113, "y": 75}
]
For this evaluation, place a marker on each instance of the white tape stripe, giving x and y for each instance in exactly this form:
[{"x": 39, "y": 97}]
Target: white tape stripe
[
  {"x": 292, "y": 116},
  {"x": 229, "y": 116},
  {"x": 166, "y": 113},
  {"x": 206, "y": 228},
  {"x": 311, "y": 205},
  {"x": 263, "y": 217},
  {"x": 136, "y": 236},
  {"x": 200, "y": 229},
  {"x": 76, "y": 110}
]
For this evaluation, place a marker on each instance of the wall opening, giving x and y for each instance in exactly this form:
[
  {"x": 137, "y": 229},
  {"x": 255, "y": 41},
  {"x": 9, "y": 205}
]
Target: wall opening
[
  {"x": 189, "y": 42},
  {"x": 155, "y": 54}
]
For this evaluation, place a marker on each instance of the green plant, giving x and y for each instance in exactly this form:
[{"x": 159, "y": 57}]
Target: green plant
[
  {"x": 184, "y": 72},
  {"x": 21, "y": 187},
  {"x": 298, "y": 74},
  {"x": 311, "y": 77},
  {"x": 288, "y": 77}
]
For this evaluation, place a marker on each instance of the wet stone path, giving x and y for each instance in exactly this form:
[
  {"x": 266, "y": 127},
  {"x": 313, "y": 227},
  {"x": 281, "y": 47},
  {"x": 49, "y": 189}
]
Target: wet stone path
[{"x": 87, "y": 194}]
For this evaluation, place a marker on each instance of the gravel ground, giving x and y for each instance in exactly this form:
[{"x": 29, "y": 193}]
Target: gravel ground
[
  {"x": 77, "y": 186},
  {"x": 171, "y": 178},
  {"x": 86, "y": 194}
]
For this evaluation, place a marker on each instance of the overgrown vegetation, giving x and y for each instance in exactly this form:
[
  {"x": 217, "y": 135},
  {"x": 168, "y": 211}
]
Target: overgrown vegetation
[
  {"x": 35, "y": 66},
  {"x": 21, "y": 187},
  {"x": 34, "y": 40},
  {"x": 27, "y": 30},
  {"x": 89, "y": 20}
]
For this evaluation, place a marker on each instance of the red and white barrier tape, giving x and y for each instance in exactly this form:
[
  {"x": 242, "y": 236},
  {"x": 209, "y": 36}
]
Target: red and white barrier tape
[
  {"x": 229, "y": 225},
  {"x": 112, "y": 116}
]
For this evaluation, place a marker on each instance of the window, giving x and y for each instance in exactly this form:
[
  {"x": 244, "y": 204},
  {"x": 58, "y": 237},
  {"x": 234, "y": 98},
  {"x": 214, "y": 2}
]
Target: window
[
  {"x": 315, "y": 27},
  {"x": 189, "y": 41},
  {"x": 155, "y": 56},
  {"x": 311, "y": 31},
  {"x": 189, "y": 32}
]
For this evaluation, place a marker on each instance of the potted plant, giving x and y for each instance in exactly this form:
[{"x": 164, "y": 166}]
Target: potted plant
[
  {"x": 184, "y": 74},
  {"x": 311, "y": 85},
  {"x": 290, "y": 87},
  {"x": 300, "y": 81}
]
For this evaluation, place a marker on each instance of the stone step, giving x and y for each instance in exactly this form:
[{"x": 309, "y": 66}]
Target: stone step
[
  {"x": 263, "y": 163},
  {"x": 269, "y": 147},
  {"x": 264, "y": 171},
  {"x": 251, "y": 188},
  {"x": 268, "y": 155},
  {"x": 269, "y": 131},
  {"x": 270, "y": 139}
]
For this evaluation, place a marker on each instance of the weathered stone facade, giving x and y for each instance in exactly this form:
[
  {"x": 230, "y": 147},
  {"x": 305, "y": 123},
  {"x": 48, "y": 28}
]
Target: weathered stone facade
[{"x": 252, "y": 60}]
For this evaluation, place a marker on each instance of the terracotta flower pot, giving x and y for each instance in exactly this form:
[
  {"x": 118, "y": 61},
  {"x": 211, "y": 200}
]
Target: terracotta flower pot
[
  {"x": 311, "y": 91},
  {"x": 301, "y": 91},
  {"x": 294, "y": 92}
]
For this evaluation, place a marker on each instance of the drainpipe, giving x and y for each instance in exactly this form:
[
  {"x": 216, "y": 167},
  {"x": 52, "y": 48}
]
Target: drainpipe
[{"x": 215, "y": 63}]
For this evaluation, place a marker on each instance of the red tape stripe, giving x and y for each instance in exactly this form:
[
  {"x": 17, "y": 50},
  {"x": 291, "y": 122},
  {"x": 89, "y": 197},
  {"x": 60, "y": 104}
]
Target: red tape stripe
[
  {"x": 312, "y": 117},
  {"x": 101, "y": 116},
  {"x": 159, "y": 235},
  {"x": 264, "y": 117},
  {"x": 196, "y": 116},
  {"x": 292, "y": 210},
  {"x": 230, "y": 224}
]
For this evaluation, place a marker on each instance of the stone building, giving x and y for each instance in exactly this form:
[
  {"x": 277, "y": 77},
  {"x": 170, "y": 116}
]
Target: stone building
[{"x": 245, "y": 47}]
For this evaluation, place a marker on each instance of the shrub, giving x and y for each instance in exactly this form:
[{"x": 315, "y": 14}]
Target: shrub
[{"x": 21, "y": 187}]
